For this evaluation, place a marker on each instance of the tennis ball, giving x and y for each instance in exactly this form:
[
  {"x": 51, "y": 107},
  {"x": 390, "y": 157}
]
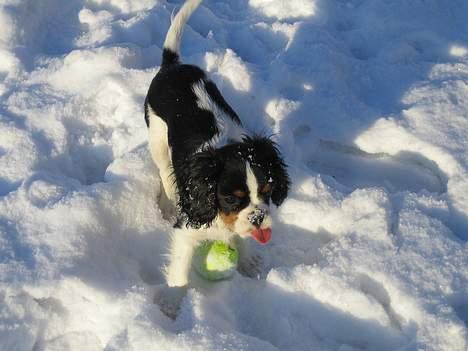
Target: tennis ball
[{"x": 215, "y": 260}]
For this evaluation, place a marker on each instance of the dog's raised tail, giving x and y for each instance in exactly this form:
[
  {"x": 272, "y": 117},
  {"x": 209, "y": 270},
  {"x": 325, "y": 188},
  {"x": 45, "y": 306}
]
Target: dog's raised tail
[{"x": 174, "y": 34}]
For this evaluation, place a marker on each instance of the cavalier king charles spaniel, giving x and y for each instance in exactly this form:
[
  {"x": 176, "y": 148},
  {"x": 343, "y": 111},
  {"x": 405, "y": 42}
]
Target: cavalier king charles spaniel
[{"x": 218, "y": 180}]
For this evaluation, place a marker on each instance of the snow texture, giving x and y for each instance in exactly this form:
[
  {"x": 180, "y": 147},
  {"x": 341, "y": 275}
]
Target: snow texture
[{"x": 368, "y": 99}]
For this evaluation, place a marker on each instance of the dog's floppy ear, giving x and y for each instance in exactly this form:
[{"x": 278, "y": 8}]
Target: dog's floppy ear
[
  {"x": 266, "y": 153},
  {"x": 281, "y": 182},
  {"x": 198, "y": 185}
]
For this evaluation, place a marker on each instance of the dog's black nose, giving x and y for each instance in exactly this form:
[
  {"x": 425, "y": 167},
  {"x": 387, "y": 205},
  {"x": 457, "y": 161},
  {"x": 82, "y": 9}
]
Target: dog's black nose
[{"x": 256, "y": 217}]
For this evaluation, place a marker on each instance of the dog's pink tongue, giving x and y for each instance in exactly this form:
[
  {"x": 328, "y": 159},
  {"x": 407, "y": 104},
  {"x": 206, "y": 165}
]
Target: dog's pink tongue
[{"x": 262, "y": 235}]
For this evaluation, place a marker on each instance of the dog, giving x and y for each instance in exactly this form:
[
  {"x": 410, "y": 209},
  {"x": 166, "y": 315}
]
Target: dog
[{"x": 217, "y": 179}]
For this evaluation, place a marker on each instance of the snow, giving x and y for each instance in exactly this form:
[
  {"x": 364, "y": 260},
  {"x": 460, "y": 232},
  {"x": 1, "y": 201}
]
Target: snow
[{"x": 368, "y": 101}]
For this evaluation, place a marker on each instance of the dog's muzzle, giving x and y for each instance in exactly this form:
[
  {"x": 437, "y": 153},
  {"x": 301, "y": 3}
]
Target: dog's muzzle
[{"x": 256, "y": 217}]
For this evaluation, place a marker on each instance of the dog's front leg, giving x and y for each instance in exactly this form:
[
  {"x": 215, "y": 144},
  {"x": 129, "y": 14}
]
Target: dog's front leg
[
  {"x": 177, "y": 272},
  {"x": 180, "y": 258}
]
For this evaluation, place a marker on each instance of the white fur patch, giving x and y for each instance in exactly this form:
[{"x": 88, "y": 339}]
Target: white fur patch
[
  {"x": 161, "y": 152},
  {"x": 229, "y": 130},
  {"x": 243, "y": 225},
  {"x": 252, "y": 184}
]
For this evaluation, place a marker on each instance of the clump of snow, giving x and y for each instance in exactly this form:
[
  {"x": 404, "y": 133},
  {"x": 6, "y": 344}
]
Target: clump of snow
[
  {"x": 284, "y": 9},
  {"x": 100, "y": 26},
  {"x": 367, "y": 100},
  {"x": 18, "y": 154},
  {"x": 278, "y": 109},
  {"x": 126, "y": 6},
  {"x": 8, "y": 32},
  {"x": 231, "y": 68},
  {"x": 8, "y": 63},
  {"x": 458, "y": 50}
]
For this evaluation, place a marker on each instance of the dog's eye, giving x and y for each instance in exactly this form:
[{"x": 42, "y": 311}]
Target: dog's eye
[
  {"x": 230, "y": 199},
  {"x": 235, "y": 197}
]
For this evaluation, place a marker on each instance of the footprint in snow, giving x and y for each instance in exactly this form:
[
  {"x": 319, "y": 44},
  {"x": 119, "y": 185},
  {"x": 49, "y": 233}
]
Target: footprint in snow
[{"x": 355, "y": 168}]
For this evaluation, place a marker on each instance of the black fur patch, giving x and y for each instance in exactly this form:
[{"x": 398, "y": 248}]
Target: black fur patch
[
  {"x": 172, "y": 98},
  {"x": 197, "y": 179},
  {"x": 169, "y": 57}
]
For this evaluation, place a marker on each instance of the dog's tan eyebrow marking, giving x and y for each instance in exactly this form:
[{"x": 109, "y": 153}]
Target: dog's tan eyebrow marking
[
  {"x": 266, "y": 188},
  {"x": 240, "y": 193},
  {"x": 229, "y": 218}
]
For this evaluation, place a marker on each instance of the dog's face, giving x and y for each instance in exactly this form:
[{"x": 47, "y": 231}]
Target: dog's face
[
  {"x": 244, "y": 196},
  {"x": 236, "y": 185}
]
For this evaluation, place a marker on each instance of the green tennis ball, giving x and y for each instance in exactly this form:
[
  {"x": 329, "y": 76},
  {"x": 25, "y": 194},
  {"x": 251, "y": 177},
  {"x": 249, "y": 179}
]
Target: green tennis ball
[{"x": 215, "y": 260}]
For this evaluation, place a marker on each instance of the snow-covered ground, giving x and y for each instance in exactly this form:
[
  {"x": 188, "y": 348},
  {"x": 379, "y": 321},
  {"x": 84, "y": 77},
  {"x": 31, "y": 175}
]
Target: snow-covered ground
[{"x": 369, "y": 102}]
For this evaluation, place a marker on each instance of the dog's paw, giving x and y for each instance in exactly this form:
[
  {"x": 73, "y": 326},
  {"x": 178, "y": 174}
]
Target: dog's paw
[
  {"x": 169, "y": 299},
  {"x": 251, "y": 266}
]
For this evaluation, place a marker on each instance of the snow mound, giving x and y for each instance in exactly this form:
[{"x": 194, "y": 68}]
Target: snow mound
[{"x": 281, "y": 9}]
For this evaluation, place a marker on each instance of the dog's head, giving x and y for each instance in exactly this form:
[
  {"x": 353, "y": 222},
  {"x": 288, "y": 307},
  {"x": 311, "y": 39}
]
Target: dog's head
[{"x": 235, "y": 184}]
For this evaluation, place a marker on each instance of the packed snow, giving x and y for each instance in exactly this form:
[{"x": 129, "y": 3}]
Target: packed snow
[{"x": 368, "y": 100}]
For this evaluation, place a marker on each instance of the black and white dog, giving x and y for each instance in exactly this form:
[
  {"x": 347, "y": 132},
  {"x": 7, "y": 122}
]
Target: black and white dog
[{"x": 220, "y": 179}]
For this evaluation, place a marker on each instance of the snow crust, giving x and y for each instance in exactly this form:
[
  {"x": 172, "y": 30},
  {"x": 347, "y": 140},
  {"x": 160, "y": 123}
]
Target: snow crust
[{"x": 368, "y": 100}]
